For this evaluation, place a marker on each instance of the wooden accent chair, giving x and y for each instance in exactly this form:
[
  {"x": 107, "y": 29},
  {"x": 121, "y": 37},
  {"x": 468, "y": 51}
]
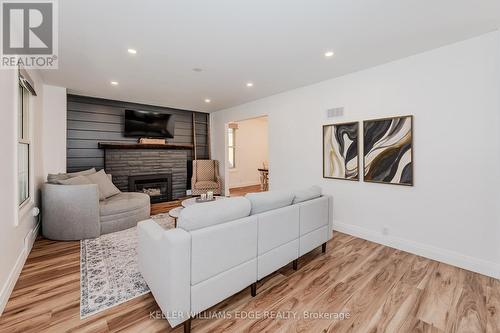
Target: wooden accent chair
[{"x": 206, "y": 177}]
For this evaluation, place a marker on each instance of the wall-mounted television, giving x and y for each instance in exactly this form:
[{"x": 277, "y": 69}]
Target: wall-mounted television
[{"x": 148, "y": 124}]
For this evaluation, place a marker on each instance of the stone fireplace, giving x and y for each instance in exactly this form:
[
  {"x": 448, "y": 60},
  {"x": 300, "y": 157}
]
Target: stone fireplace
[
  {"x": 149, "y": 168},
  {"x": 158, "y": 187}
]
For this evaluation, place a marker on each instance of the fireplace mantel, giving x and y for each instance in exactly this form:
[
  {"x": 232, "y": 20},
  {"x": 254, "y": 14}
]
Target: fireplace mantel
[{"x": 123, "y": 145}]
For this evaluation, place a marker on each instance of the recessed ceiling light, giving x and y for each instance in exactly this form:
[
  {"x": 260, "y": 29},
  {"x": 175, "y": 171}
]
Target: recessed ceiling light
[
  {"x": 329, "y": 54},
  {"x": 114, "y": 83},
  {"x": 132, "y": 51},
  {"x": 207, "y": 100},
  {"x": 249, "y": 84}
]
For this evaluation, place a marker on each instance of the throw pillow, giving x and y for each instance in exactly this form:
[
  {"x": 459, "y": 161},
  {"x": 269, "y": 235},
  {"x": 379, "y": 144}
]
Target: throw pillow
[
  {"x": 81, "y": 173},
  {"x": 106, "y": 186},
  {"x": 55, "y": 178},
  {"x": 78, "y": 180}
]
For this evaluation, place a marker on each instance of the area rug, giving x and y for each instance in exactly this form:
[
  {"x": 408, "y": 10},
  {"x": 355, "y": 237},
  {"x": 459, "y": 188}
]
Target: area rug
[{"x": 109, "y": 272}]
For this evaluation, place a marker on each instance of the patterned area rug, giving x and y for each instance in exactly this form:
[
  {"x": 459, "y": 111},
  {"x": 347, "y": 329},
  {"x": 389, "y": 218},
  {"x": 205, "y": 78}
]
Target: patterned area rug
[{"x": 109, "y": 273}]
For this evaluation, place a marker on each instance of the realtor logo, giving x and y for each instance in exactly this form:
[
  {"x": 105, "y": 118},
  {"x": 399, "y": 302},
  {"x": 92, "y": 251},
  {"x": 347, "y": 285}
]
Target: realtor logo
[{"x": 29, "y": 34}]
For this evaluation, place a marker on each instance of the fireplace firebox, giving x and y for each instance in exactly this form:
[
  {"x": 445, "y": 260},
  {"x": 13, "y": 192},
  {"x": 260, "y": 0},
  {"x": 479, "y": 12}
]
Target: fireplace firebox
[{"x": 158, "y": 187}]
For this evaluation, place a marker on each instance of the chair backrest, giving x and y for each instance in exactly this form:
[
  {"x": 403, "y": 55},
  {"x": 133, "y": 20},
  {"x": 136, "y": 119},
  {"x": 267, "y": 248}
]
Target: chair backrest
[{"x": 206, "y": 170}]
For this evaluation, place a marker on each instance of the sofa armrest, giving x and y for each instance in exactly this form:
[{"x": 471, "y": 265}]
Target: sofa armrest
[
  {"x": 70, "y": 212},
  {"x": 165, "y": 264},
  {"x": 218, "y": 180},
  {"x": 193, "y": 177}
]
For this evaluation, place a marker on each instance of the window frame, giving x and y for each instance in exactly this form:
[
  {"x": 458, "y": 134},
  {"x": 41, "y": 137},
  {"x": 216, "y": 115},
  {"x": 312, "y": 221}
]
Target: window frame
[
  {"x": 24, "y": 138},
  {"x": 231, "y": 132}
]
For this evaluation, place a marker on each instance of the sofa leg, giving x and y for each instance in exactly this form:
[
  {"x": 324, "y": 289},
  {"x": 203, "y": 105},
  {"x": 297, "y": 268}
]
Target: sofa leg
[
  {"x": 187, "y": 326},
  {"x": 253, "y": 289},
  {"x": 295, "y": 264},
  {"x": 323, "y": 247}
]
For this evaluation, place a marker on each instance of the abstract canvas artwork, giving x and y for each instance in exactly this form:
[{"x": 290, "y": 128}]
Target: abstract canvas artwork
[
  {"x": 340, "y": 151},
  {"x": 388, "y": 150}
]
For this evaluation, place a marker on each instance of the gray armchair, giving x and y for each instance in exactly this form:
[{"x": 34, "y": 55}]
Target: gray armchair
[{"x": 74, "y": 212}]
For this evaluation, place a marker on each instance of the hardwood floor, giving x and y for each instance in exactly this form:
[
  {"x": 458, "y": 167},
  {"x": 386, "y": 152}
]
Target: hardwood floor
[
  {"x": 164, "y": 207},
  {"x": 241, "y": 191},
  {"x": 378, "y": 289}
]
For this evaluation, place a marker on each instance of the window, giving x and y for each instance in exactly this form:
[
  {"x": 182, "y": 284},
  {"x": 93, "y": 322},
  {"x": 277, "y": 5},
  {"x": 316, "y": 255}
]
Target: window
[
  {"x": 23, "y": 146},
  {"x": 231, "y": 147}
]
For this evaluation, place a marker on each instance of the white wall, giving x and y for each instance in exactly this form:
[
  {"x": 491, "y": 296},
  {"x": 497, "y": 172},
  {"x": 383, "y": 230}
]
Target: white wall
[
  {"x": 54, "y": 129},
  {"x": 251, "y": 151},
  {"x": 451, "y": 214},
  {"x": 18, "y": 228}
]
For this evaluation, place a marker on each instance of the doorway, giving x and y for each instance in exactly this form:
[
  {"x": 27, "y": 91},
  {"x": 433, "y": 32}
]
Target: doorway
[{"x": 247, "y": 155}]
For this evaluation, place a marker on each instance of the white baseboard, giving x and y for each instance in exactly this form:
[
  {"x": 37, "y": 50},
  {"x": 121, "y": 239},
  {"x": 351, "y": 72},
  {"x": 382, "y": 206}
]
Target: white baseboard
[
  {"x": 31, "y": 238},
  {"x": 18, "y": 267},
  {"x": 425, "y": 250}
]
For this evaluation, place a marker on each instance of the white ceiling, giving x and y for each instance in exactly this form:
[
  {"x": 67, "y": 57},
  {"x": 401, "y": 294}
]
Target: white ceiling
[{"x": 278, "y": 45}]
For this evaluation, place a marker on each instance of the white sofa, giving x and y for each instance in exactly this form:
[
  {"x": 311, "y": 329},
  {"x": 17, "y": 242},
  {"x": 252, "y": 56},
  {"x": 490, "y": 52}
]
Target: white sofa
[{"x": 222, "y": 247}]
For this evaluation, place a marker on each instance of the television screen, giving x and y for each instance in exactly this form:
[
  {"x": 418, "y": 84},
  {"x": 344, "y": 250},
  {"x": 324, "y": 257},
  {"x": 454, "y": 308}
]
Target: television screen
[{"x": 146, "y": 124}]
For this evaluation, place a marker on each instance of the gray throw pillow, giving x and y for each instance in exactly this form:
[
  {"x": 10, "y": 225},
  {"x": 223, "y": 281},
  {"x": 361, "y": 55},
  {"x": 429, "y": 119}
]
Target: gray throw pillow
[
  {"x": 106, "y": 186},
  {"x": 55, "y": 178},
  {"x": 78, "y": 180},
  {"x": 81, "y": 173}
]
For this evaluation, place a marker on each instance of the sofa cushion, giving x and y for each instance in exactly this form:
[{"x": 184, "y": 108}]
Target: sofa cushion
[
  {"x": 123, "y": 202},
  {"x": 218, "y": 248},
  {"x": 314, "y": 214},
  {"x": 277, "y": 227},
  {"x": 264, "y": 201},
  {"x": 206, "y": 185},
  {"x": 211, "y": 213},
  {"x": 122, "y": 221},
  {"x": 54, "y": 178},
  {"x": 78, "y": 180},
  {"x": 305, "y": 194},
  {"x": 106, "y": 186}
]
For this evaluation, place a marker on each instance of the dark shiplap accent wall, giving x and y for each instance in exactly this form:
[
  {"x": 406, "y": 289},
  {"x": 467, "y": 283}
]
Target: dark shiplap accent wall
[{"x": 93, "y": 120}]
